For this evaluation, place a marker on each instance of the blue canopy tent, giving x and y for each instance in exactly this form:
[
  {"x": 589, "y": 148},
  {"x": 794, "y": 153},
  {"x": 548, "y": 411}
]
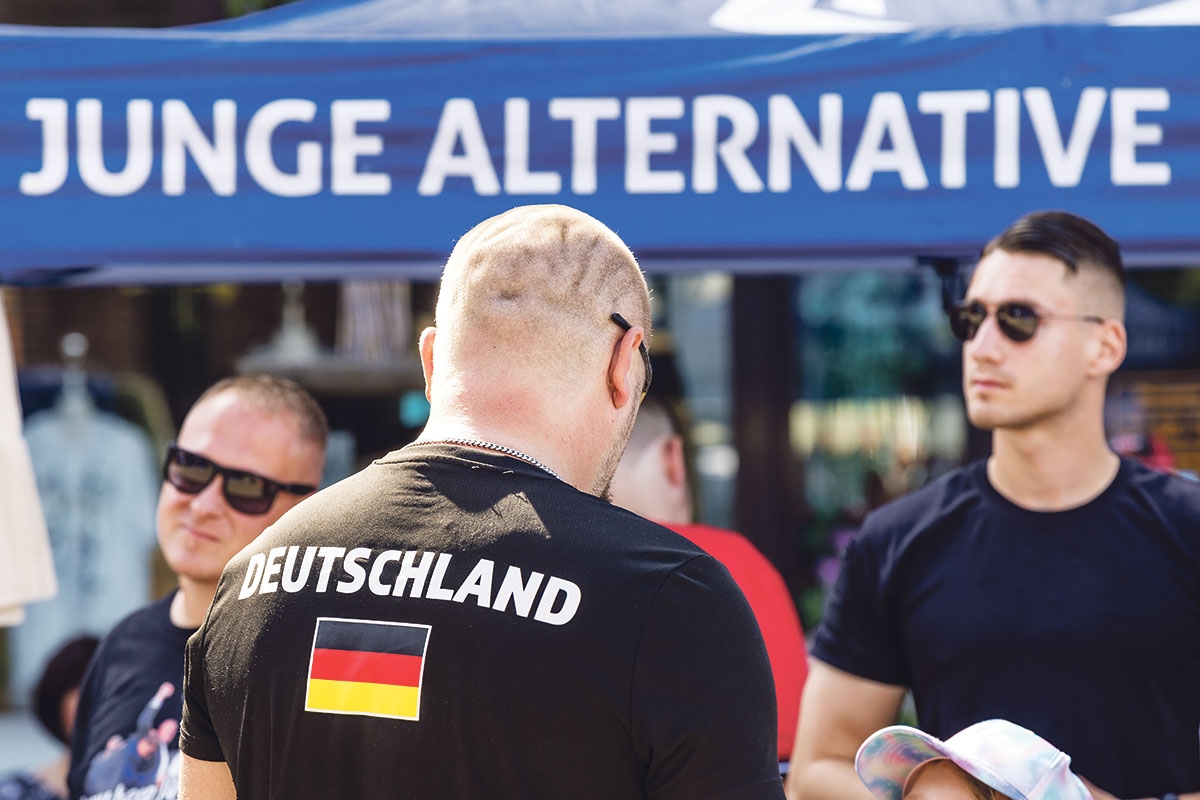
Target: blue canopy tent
[{"x": 336, "y": 137}]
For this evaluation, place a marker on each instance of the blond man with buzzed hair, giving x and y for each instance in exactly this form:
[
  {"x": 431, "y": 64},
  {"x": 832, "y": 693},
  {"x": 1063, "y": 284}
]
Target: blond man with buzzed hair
[
  {"x": 250, "y": 448},
  {"x": 468, "y": 617},
  {"x": 526, "y": 303}
]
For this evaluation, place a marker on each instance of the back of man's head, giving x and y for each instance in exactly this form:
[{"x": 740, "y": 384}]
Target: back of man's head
[
  {"x": 528, "y": 296},
  {"x": 652, "y": 478}
]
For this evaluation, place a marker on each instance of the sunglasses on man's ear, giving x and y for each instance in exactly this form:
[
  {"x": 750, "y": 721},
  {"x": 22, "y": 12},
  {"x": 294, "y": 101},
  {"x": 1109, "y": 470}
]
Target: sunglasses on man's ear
[{"x": 624, "y": 323}]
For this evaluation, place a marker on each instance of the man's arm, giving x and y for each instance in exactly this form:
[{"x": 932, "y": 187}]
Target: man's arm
[
  {"x": 204, "y": 780},
  {"x": 838, "y": 712},
  {"x": 702, "y": 702}
]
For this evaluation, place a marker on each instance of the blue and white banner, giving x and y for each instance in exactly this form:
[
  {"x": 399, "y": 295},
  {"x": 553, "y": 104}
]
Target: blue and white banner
[{"x": 208, "y": 145}]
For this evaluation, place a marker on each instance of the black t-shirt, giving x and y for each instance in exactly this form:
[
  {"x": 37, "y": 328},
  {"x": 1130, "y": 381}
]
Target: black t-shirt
[
  {"x": 125, "y": 742},
  {"x": 1082, "y": 625},
  {"x": 451, "y": 624}
]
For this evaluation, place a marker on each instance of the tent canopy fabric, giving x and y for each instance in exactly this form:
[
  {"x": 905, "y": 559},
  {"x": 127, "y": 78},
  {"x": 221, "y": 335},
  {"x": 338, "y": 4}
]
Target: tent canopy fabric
[
  {"x": 337, "y": 137},
  {"x": 478, "y": 19}
]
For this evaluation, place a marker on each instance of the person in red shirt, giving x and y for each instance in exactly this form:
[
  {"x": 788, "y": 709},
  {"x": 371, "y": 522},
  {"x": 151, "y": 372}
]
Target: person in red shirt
[{"x": 652, "y": 480}]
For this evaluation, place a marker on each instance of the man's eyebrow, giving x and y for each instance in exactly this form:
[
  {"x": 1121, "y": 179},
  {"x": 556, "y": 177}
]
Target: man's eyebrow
[{"x": 1028, "y": 301}]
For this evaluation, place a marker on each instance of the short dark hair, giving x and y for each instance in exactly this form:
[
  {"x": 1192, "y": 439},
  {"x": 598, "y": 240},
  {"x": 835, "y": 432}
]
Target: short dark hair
[
  {"x": 272, "y": 393},
  {"x": 1071, "y": 239},
  {"x": 63, "y": 672}
]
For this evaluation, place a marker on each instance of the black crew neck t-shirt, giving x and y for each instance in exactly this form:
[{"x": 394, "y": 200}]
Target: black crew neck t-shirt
[
  {"x": 450, "y": 623},
  {"x": 1081, "y": 625}
]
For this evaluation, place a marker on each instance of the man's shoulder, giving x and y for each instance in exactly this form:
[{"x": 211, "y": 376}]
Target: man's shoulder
[
  {"x": 697, "y": 532},
  {"x": 141, "y": 636},
  {"x": 146, "y": 618},
  {"x": 946, "y": 495},
  {"x": 611, "y": 527},
  {"x": 1165, "y": 487},
  {"x": 723, "y": 544},
  {"x": 1172, "y": 497}
]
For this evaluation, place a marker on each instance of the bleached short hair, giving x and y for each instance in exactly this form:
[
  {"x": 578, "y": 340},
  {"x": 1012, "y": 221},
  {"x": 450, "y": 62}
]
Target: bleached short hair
[{"x": 536, "y": 286}]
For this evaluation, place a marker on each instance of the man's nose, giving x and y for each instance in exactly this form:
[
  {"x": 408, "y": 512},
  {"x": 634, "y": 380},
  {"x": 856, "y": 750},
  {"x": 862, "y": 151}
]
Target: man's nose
[
  {"x": 209, "y": 500},
  {"x": 988, "y": 342}
]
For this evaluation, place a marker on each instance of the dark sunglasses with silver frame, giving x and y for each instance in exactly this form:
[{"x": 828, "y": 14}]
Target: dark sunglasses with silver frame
[
  {"x": 624, "y": 323},
  {"x": 1016, "y": 320},
  {"x": 244, "y": 491}
]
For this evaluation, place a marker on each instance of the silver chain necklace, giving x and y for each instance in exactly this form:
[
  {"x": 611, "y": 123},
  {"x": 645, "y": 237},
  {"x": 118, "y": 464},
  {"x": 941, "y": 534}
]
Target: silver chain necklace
[{"x": 499, "y": 448}]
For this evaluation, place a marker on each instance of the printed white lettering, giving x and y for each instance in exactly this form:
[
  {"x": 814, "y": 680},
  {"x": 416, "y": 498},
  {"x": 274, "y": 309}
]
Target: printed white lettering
[
  {"x": 517, "y": 177},
  {"x": 216, "y": 159},
  {"x": 1064, "y": 164},
  {"x": 707, "y": 113},
  {"x": 513, "y": 588},
  {"x": 292, "y": 580},
  {"x": 725, "y": 133},
  {"x": 139, "y": 157},
  {"x": 886, "y": 117},
  {"x": 254, "y": 571},
  {"x": 365, "y": 569},
  {"x": 260, "y": 157},
  {"x": 478, "y": 584},
  {"x": 374, "y": 582},
  {"x": 954, "y": 108},
  {"x": 269, "y": 584},
  {"x": 555, "y": 588},
  {"x": 357, "y": 576},
  {"x": 1128, "y": 134},
  {"x": 1008, "y": 139},
  {"x": 585, "y": 115},
  {"x": 787, "y": 130},
  {"x": 329, "y": 556},
  {"x": 417, "y": 574},
  {"x": 52, "y": 111},
  {"x": 641, "y": 142},
  {"x": 459, "y": 124},
  {"x": 347, "y": 144},
  {"x": 436, "y": 591}
]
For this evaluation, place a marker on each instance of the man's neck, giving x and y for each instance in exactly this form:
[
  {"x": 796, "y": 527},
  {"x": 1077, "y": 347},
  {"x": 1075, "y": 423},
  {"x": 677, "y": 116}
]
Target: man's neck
[
  {"x": 1040, "y": 472},
  {"x": 54, "y": 774},
  {"x": 536, "y": 443},
  {"x": 191, "y": 602}
]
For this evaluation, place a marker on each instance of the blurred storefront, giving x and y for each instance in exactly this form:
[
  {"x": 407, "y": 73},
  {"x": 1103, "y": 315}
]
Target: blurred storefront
[{"x": 836, "y": 391}]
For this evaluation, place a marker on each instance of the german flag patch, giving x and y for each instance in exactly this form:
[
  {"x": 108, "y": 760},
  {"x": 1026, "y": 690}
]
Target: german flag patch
[{"x": 369, "y": 668}]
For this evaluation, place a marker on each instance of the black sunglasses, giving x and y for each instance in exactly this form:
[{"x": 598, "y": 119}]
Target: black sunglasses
[
  {"x": 244, "y": 491},
  {"x": 624, "y": 323},
  {"x": 1017, "y": 321}
]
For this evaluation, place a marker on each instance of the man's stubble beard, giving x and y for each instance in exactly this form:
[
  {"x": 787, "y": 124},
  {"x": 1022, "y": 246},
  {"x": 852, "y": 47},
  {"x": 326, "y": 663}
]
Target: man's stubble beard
[{"x": 602, "y": 486}]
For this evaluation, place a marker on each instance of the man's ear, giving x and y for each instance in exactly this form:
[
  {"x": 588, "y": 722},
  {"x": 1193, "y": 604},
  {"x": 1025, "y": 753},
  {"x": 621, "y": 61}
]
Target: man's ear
[
  {"x": 1110, "y": 350},
  {"x": 426, "y": 348},
  {"x": 674, "y": 467},
  {"x": 620, "y": 365}
]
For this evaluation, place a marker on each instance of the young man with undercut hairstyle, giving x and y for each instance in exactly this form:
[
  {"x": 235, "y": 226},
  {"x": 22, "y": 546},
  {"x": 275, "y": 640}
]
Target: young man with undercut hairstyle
[
  {"x": 468, "y": 617},
  {"x": 1053, "y": 584},
  {"x": 250, "y": 449}
]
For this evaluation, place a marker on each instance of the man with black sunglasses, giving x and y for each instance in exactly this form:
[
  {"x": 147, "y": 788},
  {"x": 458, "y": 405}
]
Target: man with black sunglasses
[
  {"x": 468, "y": 617},
  {"x": 250, "y": 449},
  {"x": 1053, "y": 584}
]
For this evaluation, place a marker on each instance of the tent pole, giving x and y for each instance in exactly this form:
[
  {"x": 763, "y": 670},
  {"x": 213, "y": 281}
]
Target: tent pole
[{"x": 768, "y": 484}]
